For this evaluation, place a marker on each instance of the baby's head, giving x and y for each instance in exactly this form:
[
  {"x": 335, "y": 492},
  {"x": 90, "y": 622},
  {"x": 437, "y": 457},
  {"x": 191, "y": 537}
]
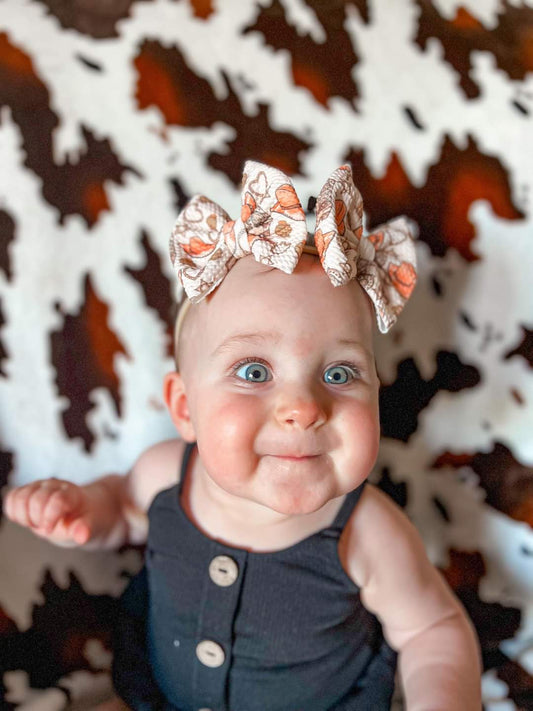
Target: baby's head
[
  {"x": 277, "y": 382},
  {"x": 277, "y": 385}
]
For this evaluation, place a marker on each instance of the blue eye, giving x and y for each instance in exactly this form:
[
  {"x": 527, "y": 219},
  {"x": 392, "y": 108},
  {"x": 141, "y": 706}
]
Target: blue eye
[
  {"x": 338, "y": 375},
  {"x": 254, "y": 373}
]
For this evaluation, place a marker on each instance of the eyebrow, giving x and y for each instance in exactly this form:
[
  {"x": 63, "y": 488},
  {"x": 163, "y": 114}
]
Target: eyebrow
[
  {"x": 357, "y": 345},
  {"x": 240, "y": 339}
]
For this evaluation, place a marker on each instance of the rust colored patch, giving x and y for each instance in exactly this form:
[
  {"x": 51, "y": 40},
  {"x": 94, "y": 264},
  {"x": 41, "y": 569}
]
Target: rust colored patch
[
  {"x": 65, "y": 186},
  {"x": 13, "y": 60},
  {"x": 96, "y": 18},
  {"x": 80, "y": 187},
  {"x": 525, "y": 48},
  {"x": 463, "y": 20},
  {"x": 20, "y": 87},
  {"x": 202, "y": 8},
  {"x": 401, "y": 402},
  {"x": 308, "y": 77},
  {"x": 102, "y": 340},
  {"x": 507, "y": 483},
  {"x": 7, "y": 235},
  {"x": 524, "y": 348},
  {"x": 83, "y": 354},
  {"x": 523, "y": 510},
  {"x": 155, "y": 87},
  {"x": 156, "y": 288},
  {"x": 324, "y": 69},
  {"x": 450, "y": 459},
  {"x": 165, "y": 80},
  {"x": 441, "y": 205},
  {"x": 185, "y": 99},
  {"x": 466, "y": 187},
  {"x": 464, "y": 570},
  {"x": 396, "y": 180},
  {"x": 94, "y": 201},
  {"x": 509, "y": 42}
]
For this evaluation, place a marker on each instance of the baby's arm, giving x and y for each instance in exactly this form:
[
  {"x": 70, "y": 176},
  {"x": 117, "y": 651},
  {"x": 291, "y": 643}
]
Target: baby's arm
[
  {"x": 103, "y": 514},
  {"x": 439, "y": 658}
]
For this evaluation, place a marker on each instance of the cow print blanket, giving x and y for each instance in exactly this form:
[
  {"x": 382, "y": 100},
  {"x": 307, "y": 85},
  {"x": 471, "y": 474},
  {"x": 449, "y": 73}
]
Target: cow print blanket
[{"x": 112, "y": 114}]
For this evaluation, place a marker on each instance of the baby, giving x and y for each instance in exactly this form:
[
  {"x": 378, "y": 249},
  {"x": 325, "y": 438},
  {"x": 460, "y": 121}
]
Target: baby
[{"x": 276, "y": 577}]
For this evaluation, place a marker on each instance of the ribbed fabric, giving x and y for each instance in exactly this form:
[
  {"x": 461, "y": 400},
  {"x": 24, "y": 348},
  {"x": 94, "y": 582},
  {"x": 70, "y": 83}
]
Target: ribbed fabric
[{"x": 290, "y": 632}]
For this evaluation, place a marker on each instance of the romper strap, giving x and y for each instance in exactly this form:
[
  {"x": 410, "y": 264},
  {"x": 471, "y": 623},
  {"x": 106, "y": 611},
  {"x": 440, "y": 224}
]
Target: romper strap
[
  {"x": 345, "y": 511},
  {"x": 189, "y": 447}
]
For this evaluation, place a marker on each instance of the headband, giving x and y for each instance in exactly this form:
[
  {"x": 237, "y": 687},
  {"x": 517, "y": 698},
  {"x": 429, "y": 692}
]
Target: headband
[{"x": 205, "y": 243}]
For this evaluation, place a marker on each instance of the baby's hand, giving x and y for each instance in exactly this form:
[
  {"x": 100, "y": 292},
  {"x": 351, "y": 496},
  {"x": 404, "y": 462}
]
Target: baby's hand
[{"x": 53, "y": 509}]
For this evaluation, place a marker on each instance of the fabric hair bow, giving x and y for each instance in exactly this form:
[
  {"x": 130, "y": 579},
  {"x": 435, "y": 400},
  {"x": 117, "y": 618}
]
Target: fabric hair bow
[{"x": 205, "y": 243}]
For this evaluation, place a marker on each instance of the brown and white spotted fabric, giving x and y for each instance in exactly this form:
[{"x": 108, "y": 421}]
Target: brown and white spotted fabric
[{"x": 113, "y": 113}]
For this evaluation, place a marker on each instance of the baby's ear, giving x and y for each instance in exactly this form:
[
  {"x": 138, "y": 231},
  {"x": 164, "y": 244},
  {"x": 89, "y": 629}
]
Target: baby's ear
[{"x": 176, "y": 400}]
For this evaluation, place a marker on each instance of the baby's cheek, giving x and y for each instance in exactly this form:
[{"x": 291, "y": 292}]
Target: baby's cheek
[
  {"x": 232, "y": 425},
  {"x": 362, "y": 432}
]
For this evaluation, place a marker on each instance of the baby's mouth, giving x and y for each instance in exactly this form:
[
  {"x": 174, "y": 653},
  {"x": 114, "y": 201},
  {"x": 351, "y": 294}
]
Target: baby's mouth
[{"x": 297, "y": 457}]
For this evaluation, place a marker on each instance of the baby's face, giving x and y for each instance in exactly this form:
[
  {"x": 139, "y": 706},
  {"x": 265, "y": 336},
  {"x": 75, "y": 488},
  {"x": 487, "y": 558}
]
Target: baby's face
[{"x": 281, "y": 386}]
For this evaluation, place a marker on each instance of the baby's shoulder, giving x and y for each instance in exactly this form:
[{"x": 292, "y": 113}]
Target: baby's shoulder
[
  {"x": 157, "y": 468},
  {"x": 374, "y": 512},
  {"x": 378, "y": 533}
]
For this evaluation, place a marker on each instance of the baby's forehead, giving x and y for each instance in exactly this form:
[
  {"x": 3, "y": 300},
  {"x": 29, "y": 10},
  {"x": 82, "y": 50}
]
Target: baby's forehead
[
  {"x": 260, "y": 304},
  {"x": 254, "y": 294},
  {"x": 308, "y": 281}
]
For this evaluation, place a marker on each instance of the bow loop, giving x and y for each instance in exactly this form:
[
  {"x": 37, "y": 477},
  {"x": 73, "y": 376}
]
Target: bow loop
[
  {"x": 272, "y": 223},
  {"x": 387, "y": 269},
  {"x": 201, "y": 246},
  {"x": 383, "y": 262},
  {"x": 339, "y": 225}
]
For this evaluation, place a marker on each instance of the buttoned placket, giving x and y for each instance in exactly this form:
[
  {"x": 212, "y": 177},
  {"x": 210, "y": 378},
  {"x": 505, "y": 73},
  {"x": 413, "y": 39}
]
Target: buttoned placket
[{"x": 221, "y": 592}]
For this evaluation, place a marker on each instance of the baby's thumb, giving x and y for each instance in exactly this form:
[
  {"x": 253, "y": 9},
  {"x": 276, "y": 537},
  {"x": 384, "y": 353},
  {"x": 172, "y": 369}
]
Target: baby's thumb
[{"x": 79, "y": 530}]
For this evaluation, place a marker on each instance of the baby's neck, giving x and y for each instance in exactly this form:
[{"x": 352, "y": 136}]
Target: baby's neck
[{"x": 239, "y": 522}]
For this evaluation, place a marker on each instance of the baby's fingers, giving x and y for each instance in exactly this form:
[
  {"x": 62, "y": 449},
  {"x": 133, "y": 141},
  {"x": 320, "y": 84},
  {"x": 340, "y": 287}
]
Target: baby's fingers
[
  {"x": 63, "y": 502},
  {"x": 16, "y": 503},
  {"x": 53, "y": 509},
  {"x": 41, "y": 504},
  {"x": 69, "y": 531}
]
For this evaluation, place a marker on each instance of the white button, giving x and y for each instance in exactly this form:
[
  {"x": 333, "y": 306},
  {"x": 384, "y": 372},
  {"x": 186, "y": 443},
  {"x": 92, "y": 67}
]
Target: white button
[
  {"x": 202, "y": 709},
  {"x": 210, "y": 653},
  {"x": 223, "y": 570}
]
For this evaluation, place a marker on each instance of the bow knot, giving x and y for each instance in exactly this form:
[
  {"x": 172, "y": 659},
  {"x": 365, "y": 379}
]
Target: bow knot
[{"x": 205, "y": 243}]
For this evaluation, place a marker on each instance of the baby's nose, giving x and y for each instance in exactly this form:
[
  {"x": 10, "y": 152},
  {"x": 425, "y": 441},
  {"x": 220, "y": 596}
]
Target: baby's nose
[{"x": 300, "y": 410}]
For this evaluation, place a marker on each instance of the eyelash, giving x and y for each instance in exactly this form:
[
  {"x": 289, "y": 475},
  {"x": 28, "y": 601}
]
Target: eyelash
[
  {"x": 245, "y": 361},
  {"x": 346, "y": 364}
]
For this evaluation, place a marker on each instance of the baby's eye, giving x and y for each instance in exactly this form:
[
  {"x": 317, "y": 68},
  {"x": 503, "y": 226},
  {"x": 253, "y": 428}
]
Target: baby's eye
[
  {"x": 339, "y": 375},
  {"x": 254, "y": 372}
]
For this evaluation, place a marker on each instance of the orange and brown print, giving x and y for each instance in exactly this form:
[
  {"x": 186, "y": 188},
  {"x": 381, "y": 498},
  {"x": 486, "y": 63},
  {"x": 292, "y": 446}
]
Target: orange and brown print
[{"x": 112, "y": 114}]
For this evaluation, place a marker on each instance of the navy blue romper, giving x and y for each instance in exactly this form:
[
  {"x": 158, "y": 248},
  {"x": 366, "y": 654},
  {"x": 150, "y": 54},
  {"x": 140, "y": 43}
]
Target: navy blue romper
[{"x": 210, "y": 627}]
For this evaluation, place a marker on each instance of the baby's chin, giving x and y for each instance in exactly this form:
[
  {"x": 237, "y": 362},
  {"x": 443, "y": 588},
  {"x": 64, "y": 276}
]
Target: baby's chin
[{"x": 288, "y": 502}]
